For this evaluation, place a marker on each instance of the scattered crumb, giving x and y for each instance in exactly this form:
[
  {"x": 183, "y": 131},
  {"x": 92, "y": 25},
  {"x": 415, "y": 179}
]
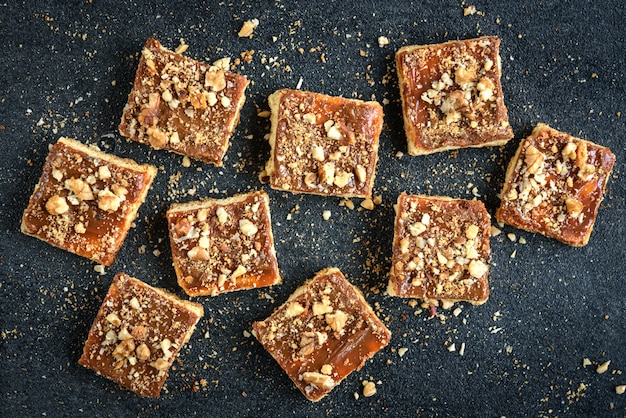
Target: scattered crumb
[
  {"x": 367, "y": 204},
  {"x": 462, "y": 349},
  {"x": 513, "y": 254},
  {"x": 457, "y": 312},
  {"x": 156, "y": 253},
  {"x": 402, "y": 351},
  {"x": 452, "y": 347},
  {"x": 399, "y": 154},
  {"x": 495, "y": 231},
  {"x": 326, "y": 215},
  {"x": 356, "y": 395},
  {"x": 511, "y": 236},
  {"x": 264, "y": 114},
  {"x": 186, "y": 161},
  {"x": 180, "y": 49},
  {"x": 586, "y": 362},
  {"x": 369, "y": 388},
  {"x": 602, "y": 368},
  {"x": 522, "y": 240},
  {"x": 382, "y": 41},
  {"x": 620, "y": 389},
  {"x": 469, "y": 10},
  {"x": 99, "y": 269},
  {"x": 248, "y": 28}
]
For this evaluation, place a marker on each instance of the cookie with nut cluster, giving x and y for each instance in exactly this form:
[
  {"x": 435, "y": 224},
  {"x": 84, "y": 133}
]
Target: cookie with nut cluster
[
  {"x": 322, "y": 333},
  {"x": 137, "y": 334},
  {"x": 452, "y": 95},
  {"x": 322, "y": 144},
  {"x": 86, "y": 200},
  {"x": 554, "y": 185},
  {"x": 223, "y": 245},
  {"x": 440, "y": 250},
  {"x": 183, "y": 105}
]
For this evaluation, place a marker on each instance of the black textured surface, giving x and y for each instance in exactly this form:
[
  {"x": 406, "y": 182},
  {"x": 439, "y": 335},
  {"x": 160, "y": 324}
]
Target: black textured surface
[{"x": 66, "y": 69}]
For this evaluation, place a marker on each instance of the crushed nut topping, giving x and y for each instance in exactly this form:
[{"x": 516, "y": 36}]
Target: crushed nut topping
[{"x": 57, "y": 205}]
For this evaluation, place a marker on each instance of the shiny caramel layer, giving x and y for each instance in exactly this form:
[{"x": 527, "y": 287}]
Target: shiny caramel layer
[
  {"x": 452, "y": 95},
  {"x": 325, "y": 331},
  {"x": 183, "y": 105},
  {"x": 322, "y": 144},
  {"x": 554, "y": 185},
  {"x": 222, "y": 245},
  {"x": 137, "y": 334},
  {"x": 86, "y": 200},
  {"x": 440, "y": 249}
]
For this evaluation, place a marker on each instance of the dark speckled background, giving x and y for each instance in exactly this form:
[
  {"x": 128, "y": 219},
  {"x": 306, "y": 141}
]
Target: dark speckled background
[{"x": 66, "y": 69}]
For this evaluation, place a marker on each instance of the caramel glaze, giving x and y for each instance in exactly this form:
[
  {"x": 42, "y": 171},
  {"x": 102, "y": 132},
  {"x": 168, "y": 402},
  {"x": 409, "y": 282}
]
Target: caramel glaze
[{"x": 346, "y": 351}]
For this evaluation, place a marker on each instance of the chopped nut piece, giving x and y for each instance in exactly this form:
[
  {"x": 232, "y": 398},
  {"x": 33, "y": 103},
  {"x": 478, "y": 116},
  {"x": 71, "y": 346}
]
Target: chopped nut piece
[
  {"x": 160, "y": 364},
  {"x": 417, "y": 228},
  {"x": 342, "y": 179},
  {"x": 327, "y": 369},
  {"x": 337, "y": 320},
  {"x": 533, "y": 159},
  {"x": 247, "y": 228},
  {"x": 620, "y": 389},
  {"x": 602, "y": 368},
  {"x": 367, "y": 204},
  {"x": 142, "y": 352},
  {"x": 573, "y": 206},
  {"x": 369, "y": 388},
  {"x": 124, "y": 349},
  {"x": 80, "y": 188},
  {"x": 108, "y": 200},
  {"x": 57, "y": 205},
  {"x": 317, "y": 153},
  {"x": 294, "y": 309},
  {"x": 248, "y": 28},
  {"x": 114, "y": 319},
  {"x": 319, "y": 380},
  {"x": 327, "y": 173},
  {"x": 382, "y": 41},
  {"x": 477, "y": 268},
  {"x": 560, "y": 191},
  {"x": 471, "y": 232},
  {"x": 198, "y": 254}
]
